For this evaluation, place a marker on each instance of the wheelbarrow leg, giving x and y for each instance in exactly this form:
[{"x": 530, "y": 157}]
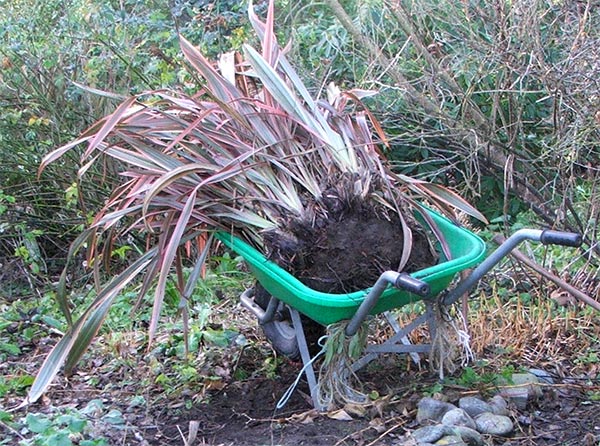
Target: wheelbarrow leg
[
  {"x": 396, "y": 327},
  {"x": 430, "y": 319},
  {"x": 307, "y": 361},
  {"x": 394, "y": 344}
]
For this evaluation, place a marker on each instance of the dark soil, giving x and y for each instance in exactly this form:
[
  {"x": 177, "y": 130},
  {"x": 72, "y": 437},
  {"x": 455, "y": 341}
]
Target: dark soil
[
  {"x": 348, "y": 250},
  {"x": 241, "y": 411},
  {"x": 243, "y": 414}
]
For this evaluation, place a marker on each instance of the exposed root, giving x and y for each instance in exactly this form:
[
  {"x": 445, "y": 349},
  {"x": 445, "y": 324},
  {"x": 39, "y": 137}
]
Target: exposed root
[
  {"x": 338, "y": 384},
  {"x": 450, "y": 344}
]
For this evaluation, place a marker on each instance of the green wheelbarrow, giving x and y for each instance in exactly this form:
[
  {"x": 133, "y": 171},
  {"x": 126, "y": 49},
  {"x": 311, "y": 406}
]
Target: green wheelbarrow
[{"x": 286, "y": 306}]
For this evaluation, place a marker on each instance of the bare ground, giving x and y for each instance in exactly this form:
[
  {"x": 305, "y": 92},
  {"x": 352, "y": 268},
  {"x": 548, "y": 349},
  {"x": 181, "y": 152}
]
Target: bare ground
[
  {"x": 237, "y": 405},
  {"x": 227, "y": 395}
]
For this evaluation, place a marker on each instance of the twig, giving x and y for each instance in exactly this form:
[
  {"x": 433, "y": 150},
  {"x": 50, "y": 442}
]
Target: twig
[
  {"x": 391, "y": 429},
  {"x": 343, "y": 440},
  {"x": 377, "y": 440},
  {"x": 573, "y": 291},
  {"x": 2, "y": 423}
]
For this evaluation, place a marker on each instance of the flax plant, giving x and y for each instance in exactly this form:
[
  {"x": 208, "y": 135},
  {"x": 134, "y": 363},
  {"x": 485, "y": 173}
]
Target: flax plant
[{"x": 249, "y": 152}]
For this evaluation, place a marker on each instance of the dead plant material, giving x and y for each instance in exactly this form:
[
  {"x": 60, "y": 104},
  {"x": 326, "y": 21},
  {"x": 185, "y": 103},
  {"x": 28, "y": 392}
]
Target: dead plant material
[
  {"x": 531, "y": 332},
  {"x": 338, "y": 384},
  {"x": 576, "y": 293},
  {"x": 450, "y": 346}
]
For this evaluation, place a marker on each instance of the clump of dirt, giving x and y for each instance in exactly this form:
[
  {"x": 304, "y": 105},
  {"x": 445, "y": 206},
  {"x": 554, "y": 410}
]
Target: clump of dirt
[{"x": 348, "y": 248}]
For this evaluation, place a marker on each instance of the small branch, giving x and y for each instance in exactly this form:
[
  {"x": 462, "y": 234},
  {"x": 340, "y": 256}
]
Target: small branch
[
  {"x": 575, "y": 292},
  {"x": 12, "y": 430}
]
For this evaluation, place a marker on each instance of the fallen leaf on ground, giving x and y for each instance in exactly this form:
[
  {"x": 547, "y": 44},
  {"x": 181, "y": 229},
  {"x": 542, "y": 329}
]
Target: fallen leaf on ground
[
  {"x": 340, "y": 415},
  {"x": 358, "y": 410},
  {"x": 304, "y": 417},
  {"x": 378, "y": 424}
]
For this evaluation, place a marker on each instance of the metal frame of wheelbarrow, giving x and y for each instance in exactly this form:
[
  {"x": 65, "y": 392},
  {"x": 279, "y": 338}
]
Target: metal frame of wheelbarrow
[{"x": 392, "y": 290}]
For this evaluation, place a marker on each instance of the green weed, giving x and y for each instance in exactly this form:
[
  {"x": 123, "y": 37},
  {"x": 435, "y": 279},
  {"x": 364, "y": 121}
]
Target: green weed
[
  {"x": 62, "y": 429},
  {"x": 15, "y": 385},
  {"x": 482, "y": 377},
  {"x": 588, "y": 358}
]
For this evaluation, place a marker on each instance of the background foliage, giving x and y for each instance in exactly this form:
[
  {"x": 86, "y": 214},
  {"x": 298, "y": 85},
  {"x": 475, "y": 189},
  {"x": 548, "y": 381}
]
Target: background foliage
[
  {"x": 57, "y": 58},
  {"x": 504, "y": 95},
  {"x": 500, "y": 102}
]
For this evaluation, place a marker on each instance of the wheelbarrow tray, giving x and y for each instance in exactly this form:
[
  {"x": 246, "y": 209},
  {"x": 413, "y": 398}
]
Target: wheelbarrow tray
[{"x": 466, "y": 249}]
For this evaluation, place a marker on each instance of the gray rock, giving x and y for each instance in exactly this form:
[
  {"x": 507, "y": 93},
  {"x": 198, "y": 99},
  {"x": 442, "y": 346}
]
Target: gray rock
[
  {"x": 474, "y": 406},
  {"x": 499, "y": 405},
  {"x": 469, "y": 436},
  {"x": 543, "y": 376},
  {"x": 529, "y": 380},
  {"x": 519, "y": 396},
  {"x": 430, "y": 409},
  {"x": 524, "y": 387},
  {"x": 453, "y": 440},
  {"x": 458, "y": 417},
  {"x": 489, "y": 423},
  {"x": 430, "y": 434}
]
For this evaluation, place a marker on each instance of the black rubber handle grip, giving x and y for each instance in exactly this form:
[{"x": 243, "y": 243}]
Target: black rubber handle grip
[
  {"x": 550, "y": 237},
  {"x": 416, "y": 286}
]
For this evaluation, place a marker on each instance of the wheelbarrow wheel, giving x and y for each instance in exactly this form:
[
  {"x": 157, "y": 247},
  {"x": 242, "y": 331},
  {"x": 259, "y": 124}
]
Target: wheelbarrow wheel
[{"x": 280, "y": 331}]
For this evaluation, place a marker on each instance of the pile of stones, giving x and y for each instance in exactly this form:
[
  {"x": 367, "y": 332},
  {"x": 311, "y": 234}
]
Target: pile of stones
[
  {"x": 462, "y": 424},
  {"x": 473, "y": 419}
]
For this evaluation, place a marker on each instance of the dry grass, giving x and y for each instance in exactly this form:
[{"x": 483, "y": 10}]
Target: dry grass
[
  {"x": 538, "y": 332},
  {"x": 530, "y": 331}
]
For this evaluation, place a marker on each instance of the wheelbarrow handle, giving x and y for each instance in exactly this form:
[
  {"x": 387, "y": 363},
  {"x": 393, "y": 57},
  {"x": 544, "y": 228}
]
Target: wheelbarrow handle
[
  {"x": 408, "y": 283},
  {"x": 544, "y": 236},
  {"x": 550, "y": 237},
  {"x": 399, "y": 280},
  {"x": 416, "y": 286}
]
